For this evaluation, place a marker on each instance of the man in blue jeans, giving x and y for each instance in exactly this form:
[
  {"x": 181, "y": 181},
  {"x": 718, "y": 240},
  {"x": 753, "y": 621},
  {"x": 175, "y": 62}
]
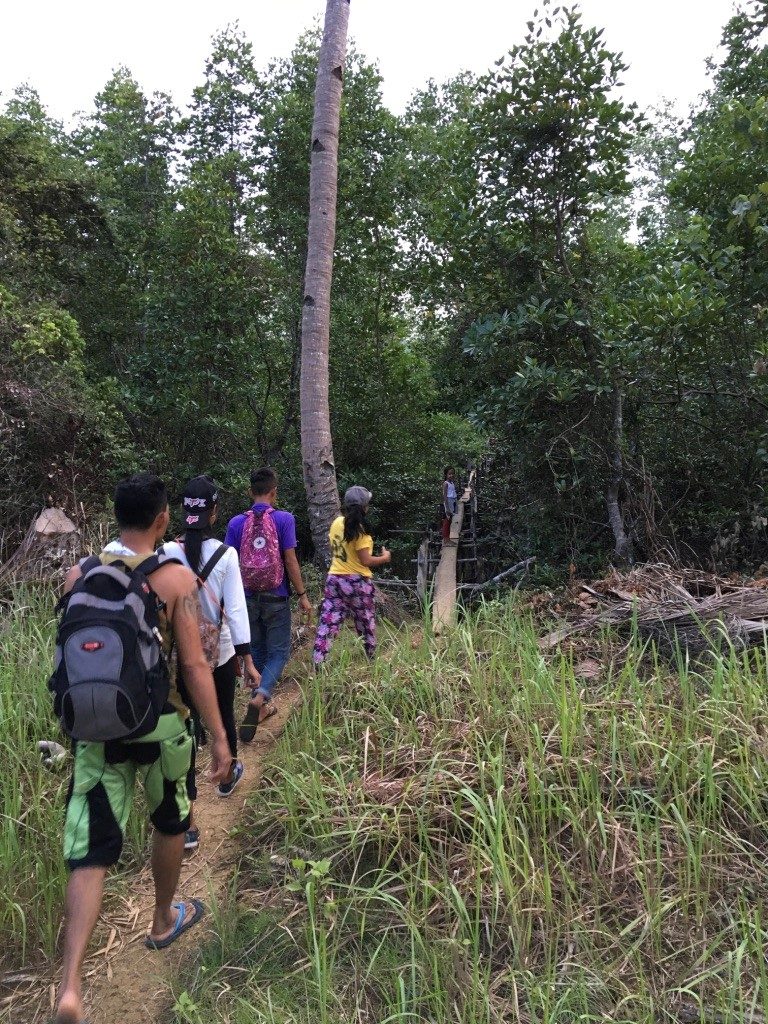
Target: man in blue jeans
[{"x": 269, "y": 611}]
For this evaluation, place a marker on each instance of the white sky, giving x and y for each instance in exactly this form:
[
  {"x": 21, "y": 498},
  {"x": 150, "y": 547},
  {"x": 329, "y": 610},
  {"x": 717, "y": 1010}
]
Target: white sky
[{"x": 67, "y": 50}]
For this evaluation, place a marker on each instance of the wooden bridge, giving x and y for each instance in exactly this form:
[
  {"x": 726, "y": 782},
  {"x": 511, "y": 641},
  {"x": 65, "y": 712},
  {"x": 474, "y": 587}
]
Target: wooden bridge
[
  {"x": 444, "y": 594},
  {"x": 446, "y": 569}
]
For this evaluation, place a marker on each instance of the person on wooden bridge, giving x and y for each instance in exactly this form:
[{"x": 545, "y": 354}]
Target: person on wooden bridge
[{"x": 450, "y": 501}]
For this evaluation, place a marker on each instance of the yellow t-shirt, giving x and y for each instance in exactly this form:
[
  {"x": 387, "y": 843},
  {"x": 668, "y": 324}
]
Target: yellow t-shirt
[{"x": 345, "y": 561}]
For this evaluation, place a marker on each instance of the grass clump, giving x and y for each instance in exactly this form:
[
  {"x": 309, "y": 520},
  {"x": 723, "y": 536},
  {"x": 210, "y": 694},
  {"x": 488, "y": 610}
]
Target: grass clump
[
  {"x": 32, "y": 872},
  {"x": 473, "y": 834}
]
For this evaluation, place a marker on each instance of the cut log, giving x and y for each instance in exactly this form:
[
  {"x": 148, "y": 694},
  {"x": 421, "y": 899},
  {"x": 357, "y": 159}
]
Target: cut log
[
  {"x": 51, "y": 546},
  {"x": 53, "y": 522},
  {"x": 502, "y": 577},
  {"x": 457, "y": 522}
]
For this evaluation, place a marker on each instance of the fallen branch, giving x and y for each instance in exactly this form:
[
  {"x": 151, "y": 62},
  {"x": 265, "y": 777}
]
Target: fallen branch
[{"x": 502, "y": 577}]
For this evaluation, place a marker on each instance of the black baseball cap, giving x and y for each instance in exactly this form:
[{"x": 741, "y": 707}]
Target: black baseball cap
[{"x": 200, "y": 496}]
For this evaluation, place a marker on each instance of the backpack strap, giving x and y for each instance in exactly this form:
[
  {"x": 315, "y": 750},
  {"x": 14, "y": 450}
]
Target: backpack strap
[
  {"x": 212, "y": 562},
  {"x": 153, "y": 562},
  {"x": 205, "y": 572}
]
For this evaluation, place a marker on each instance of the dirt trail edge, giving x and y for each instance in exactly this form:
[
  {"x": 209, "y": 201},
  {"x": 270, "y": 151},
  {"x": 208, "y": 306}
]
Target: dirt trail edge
[{"x": 125, "y": 982}]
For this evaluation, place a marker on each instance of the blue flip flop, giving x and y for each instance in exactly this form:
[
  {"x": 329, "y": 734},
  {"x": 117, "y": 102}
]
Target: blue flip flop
[{"x": 184, "y": 921}]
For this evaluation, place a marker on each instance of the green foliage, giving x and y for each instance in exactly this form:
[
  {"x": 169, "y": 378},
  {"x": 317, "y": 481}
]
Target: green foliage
[
  {"x": 554, "y": 141},
  {"x": 544, "y": 149},
  {"x": 60, "y": 428},
  {"x": 472, "y": 835},
  {"x": 181, "y": 289},
  {"x": 31, "y": 798},
  {"x": 39, "y": 332},
  {"x": 541, "y": 312},
  {"x": 499, "y": 272}
]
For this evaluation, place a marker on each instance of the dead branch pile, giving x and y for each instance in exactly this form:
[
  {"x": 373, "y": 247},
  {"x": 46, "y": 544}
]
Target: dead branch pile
[{"x": 683, "y": 608}]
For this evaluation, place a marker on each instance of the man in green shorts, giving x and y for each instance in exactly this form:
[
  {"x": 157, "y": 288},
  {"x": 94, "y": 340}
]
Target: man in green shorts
[{"x": 104, "y": 774}]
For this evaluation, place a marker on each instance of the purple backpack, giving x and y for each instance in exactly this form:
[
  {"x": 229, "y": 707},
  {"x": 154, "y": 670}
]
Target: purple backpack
[{"x": 261, "y": 563}]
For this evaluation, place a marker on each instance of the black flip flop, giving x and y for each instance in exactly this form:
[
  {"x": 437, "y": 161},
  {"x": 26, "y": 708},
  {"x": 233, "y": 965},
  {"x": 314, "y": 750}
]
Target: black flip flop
[
  {"x": 253, "y": 718},
  {"x": 183, "y": 923},
  {"x": 250, "y": 724}
]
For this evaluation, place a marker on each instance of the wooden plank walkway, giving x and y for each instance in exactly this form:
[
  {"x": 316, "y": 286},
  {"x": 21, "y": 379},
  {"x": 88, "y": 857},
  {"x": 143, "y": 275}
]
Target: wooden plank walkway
[{"x": 444, "y": 611}]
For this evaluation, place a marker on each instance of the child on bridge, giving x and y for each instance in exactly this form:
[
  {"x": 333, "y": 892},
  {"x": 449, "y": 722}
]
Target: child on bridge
[{"x": 450, "y": 499}]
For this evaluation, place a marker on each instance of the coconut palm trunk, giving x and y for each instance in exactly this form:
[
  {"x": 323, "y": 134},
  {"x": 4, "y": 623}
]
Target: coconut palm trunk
[{"x": 316, "y": 442}]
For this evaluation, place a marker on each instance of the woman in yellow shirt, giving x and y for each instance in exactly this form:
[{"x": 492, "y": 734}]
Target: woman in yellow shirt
[{"x": 348, "y": 588}]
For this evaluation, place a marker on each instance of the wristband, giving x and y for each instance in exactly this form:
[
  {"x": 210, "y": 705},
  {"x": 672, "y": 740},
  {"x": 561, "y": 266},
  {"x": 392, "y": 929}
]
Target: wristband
[{"x": 302, "y": 594}]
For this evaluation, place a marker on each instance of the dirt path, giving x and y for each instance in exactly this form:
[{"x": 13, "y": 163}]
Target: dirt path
[{"x": 124, "y": 981}]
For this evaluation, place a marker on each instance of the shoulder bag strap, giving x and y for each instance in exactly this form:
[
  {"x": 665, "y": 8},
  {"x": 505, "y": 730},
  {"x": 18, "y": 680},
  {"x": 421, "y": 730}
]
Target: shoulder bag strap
[
  {"x": 205, "y": 572},
  {"x": 213, "y": 561}
]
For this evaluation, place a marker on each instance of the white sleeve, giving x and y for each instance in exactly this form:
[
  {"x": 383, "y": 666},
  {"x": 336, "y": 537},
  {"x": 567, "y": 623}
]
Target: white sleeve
[
  {"x": 235, "y": 608},
  {"x": 173, "y": 549}
]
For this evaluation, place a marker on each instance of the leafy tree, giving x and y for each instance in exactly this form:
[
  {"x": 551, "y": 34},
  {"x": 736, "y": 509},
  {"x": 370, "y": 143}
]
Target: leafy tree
[
  {"x": 543, "y": 152},
  {"x": 59, "y": 429},
  {"x": 127, "y": 142},
  {"x": 486, "y": 281}
]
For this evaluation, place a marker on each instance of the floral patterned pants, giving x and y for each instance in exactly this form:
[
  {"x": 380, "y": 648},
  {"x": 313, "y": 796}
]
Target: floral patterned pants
[{"x": 345, "y": 596}]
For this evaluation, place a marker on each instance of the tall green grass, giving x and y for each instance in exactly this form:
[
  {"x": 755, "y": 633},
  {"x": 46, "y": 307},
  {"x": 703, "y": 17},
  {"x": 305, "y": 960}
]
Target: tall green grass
[
  {"x": 32, "y": 872},
  {"x": 33, "y": 875},
  {"x": 473, "y": 834}
]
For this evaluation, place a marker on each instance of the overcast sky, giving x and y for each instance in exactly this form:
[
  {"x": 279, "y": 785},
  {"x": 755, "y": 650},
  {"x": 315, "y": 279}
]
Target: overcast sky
[{"x": 67, "y": 50}]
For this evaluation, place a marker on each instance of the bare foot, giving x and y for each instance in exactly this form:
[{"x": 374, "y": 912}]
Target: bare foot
[{"x": 70, "y": 1009}]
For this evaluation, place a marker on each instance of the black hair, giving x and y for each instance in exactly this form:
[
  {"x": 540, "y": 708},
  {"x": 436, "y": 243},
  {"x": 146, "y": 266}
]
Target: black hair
[
  {"x": 193, "y": 547},
  {"x": 355, "y": 524},
  {"x": 139, "y": 500},
  {"x": 263, "y": 481},
  {"x": 447, "y": 470}
]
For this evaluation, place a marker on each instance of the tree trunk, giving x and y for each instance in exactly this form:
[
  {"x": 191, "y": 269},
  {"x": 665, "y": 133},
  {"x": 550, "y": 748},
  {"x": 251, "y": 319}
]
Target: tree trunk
[
  {"x": 623, "y": 542},
  {"x": 316, "y": 442}
]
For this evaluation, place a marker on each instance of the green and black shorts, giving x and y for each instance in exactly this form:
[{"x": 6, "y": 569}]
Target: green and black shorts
[{"x": 103, "y": 783}]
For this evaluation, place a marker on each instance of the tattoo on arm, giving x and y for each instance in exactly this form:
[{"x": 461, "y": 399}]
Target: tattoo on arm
[{"x": 190, "y": 603}]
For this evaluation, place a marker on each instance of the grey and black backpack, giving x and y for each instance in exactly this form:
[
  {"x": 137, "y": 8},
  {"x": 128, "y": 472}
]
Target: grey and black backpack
[{"x": 111, "y": 680}]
